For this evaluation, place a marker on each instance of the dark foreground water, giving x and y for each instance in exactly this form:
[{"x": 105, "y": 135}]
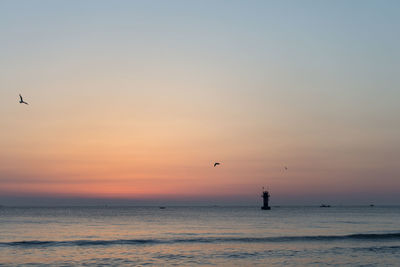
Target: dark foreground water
[{"x": 188, "y": 236}]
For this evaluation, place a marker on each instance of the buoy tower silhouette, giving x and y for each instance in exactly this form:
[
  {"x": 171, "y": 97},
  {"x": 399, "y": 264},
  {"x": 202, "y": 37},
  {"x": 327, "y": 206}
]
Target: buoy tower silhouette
[{"x": 265, "y": 195}]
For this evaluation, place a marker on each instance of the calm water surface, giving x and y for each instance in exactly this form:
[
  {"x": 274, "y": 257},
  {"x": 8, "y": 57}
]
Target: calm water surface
[{"x": 188, "y": 236}]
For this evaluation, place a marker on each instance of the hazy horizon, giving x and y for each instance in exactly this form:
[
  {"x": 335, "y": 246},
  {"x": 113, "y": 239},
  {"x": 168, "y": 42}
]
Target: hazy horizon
[{"x": 135, "y": 101}]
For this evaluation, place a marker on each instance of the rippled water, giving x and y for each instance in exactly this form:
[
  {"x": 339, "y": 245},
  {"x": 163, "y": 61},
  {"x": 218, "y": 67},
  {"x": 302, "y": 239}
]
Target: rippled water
[{"x": 227, "y": 236}]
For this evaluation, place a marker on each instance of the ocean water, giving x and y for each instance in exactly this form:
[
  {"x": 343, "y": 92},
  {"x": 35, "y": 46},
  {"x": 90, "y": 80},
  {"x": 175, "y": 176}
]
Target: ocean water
[{"x": 190, "y": 236}]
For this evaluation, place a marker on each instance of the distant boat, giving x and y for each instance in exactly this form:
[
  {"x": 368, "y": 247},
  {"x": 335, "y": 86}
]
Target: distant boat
[
  {"x": 162, "y": 208},
  {"x": 325, "y": 206},
  {"x": 372, "y": 205}
]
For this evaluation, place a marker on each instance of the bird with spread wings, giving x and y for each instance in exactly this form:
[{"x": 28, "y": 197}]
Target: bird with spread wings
[{"x": 21, "y": 101}]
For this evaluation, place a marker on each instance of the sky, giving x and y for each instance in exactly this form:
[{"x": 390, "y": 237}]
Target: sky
[{"x": 131, "y": 102}]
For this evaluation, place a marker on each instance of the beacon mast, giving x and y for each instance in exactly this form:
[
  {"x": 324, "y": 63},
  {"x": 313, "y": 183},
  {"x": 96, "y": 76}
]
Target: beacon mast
[{"x": 265, "y": 195}]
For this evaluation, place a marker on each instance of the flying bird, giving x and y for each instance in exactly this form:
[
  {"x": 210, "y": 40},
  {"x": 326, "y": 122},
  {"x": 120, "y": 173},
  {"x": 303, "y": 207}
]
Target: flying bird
[
  {"x": 21, "y": 101},
  {"x": 216, "y": 163}
]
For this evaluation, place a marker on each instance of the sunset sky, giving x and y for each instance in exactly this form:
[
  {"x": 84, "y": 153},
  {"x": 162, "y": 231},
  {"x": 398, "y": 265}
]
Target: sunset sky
[{"x": 136, "y": 100}]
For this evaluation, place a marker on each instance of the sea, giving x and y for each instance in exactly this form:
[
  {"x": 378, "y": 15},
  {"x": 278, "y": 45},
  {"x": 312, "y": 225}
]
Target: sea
[{"x": 200, "y": 236}]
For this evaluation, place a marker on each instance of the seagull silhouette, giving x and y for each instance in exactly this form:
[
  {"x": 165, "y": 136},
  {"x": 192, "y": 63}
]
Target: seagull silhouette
[
  {"x": 216, "y": 163},
  {"x": 21, "y": 101}
]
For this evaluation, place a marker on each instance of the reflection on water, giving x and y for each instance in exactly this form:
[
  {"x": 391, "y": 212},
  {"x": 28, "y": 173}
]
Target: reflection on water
[{"x": 241, "y": 236}]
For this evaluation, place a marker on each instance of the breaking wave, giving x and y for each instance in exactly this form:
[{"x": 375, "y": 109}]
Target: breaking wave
[{"x": 37, "y": 243}]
